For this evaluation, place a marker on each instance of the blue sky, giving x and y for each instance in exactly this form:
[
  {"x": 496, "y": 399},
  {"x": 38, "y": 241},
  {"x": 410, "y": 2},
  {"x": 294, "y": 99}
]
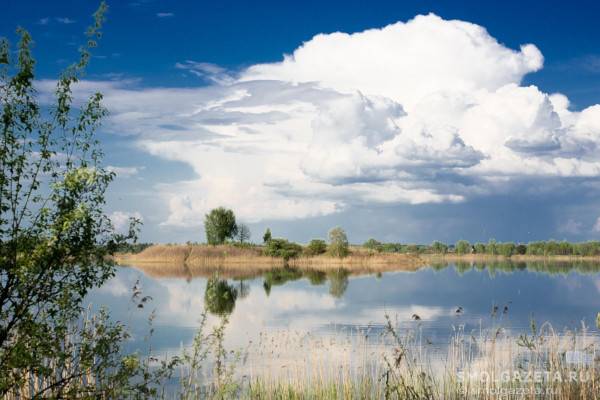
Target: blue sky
[{"x": 279, "y": 143}]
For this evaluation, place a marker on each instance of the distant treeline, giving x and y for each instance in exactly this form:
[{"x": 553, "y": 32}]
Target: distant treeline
[
  {"x": 507, "y": 249},
  {"x": 133, "y": 248}
]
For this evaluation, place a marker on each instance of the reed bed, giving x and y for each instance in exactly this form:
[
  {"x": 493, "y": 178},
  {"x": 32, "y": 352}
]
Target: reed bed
[
  {"x": 192, "y": 260},
  {"x": 392, "y": 362}
]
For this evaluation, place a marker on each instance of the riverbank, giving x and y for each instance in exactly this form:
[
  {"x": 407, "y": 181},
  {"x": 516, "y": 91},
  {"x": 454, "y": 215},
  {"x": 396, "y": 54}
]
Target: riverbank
[
  {"x": 474, "y": 258},
  {"x": 197, "y": 258}
]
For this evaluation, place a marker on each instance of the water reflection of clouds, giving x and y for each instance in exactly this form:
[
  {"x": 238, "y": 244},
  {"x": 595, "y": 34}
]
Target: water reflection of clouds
[{"x": 432, "y": 295}]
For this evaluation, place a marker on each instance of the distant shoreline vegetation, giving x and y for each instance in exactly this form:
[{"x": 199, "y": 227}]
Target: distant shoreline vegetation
[{"x": 222, "y": 229}]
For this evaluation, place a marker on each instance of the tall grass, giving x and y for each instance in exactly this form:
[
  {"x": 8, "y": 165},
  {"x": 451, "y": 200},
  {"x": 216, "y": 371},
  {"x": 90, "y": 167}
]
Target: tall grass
[{"x": 229, "y": 257}]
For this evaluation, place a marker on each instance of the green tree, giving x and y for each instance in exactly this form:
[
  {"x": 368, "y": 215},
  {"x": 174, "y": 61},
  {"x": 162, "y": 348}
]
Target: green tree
[
  {"x": 267, "y": 236},
  {"x": 492, "y": 247},
  {"x": 338, "y": 243},
  {"x": 439, "y": 247},
  {"x": 243, "y": 233},
  {"x": 220, "y": 225},
  {"x": 479, "y": 248},
  {"x": 316, "y": 247},
  {"x": 55, "y": 237},
  {"x": 463, "y": 247}
]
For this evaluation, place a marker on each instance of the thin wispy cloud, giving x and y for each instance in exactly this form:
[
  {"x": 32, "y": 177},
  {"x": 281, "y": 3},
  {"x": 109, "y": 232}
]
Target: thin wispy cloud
[
  {"x": 165, "y": 14},
  {"x": 43, "y": 21},
  {"x": 208, "y": 71},
  {"x": 65, "y": 20}
]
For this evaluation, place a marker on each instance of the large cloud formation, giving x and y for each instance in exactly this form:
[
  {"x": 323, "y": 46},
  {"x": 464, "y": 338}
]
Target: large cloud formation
[{"x": 429, "y": 110}]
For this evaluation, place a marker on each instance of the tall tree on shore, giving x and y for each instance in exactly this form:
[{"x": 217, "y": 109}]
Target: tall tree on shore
[
  {"x": 267, "y": 236},
  {"x": 220, "y": 225},
  {"x": 338, "y": 243},
  {"x": 243, "y": 234}
]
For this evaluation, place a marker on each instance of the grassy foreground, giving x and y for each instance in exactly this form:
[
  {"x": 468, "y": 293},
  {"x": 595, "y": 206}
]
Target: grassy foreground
[{"x": 397, "y": 363}]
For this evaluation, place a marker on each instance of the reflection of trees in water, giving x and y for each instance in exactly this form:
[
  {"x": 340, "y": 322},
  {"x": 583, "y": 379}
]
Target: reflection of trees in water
[
  {"x": 219, "y": 296},
  {"x": 316, "y": 277},
  {"x": 279, "y": 276},
  {"x": 338, "y": 279},
  {"x": 243, "y": 289},
  {"x": 338, "y": 282},
  {"x": 548, "y": 267}
]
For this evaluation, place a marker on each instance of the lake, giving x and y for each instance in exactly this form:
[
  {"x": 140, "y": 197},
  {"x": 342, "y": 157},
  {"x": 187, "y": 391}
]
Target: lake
[
  {"x": 290, "y": 310},
  {"x": 559, "y": 293}
]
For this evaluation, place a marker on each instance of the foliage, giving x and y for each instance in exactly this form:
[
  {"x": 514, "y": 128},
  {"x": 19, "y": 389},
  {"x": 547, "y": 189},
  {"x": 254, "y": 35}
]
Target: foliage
[
  {"x": 391, "y": 248},
  {"x": 338, "y": 243},
  {"x": 281, "y": 248},
  {"x": 479, "y": 248},
  {"x": 439, "y": 247},
  {"x": 506, "y": 249},
  {"x": 243, "y": 233},
  {"x": 55, "y": 238},
  {"x": 462, "y": 247},
  {"x": 219, "y": 296},
  {"x": 316, "y": 247},
  {"x": 132, "y": 248},
  {"x": 267, "y": 236},
  {"x": 372, "y": 245},
  {"x": 220, "y": 225}
]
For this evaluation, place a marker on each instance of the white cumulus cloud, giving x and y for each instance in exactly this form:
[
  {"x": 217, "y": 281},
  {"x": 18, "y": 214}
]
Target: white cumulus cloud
[
  {"x": 121, "y": 219},
  {"x": 423, "y": 111}
]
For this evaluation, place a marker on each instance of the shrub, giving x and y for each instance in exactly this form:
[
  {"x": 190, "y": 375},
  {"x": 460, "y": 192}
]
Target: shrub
[
  {"x": 506, "y": 249},
  {"x": 439, "y": 247},
  {"x": 521, "y": 249},
  {"x": 281, "y": 248},
  {"x": 372, "y": 244},
  {"x": 479, "y": 248},
  {"x": 391, "y": 248},
  {"x": 316, "y": 247}
]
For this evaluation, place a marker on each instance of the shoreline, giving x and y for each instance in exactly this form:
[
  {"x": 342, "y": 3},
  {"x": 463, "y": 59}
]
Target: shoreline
[
  {"x": 233, "y": 259},
  {"x": 189, "y": 261},
  {"x": 514, "y": 258}
]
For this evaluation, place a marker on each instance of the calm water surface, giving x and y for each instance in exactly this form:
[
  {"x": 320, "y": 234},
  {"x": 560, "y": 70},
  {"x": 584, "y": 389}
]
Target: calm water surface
[{"x": 338, "y": 304}]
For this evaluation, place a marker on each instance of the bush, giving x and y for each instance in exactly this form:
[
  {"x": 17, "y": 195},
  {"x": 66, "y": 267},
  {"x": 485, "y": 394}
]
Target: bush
[
  {"x": 439, "y": 247},
  {"x": 479, "y": 248},
  {"x": 316, "y": 247},
  {"x": 338, "y": 243},
  {"x": 281, "y": 248},
  {"x": 391, "y": 248},
  {"x": 463, "y": 247},
  {"x": 506, "y": 249},
  {"x": 492, "y": 247},
  {"x": 372, "y": 245}
]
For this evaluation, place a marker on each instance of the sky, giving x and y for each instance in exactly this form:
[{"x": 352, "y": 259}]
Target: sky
[{"x": 404, "y": 121}]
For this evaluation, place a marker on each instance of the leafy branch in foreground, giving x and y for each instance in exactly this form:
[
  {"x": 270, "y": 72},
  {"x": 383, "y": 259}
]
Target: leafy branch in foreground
[{"x": 55, "y": 238}]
